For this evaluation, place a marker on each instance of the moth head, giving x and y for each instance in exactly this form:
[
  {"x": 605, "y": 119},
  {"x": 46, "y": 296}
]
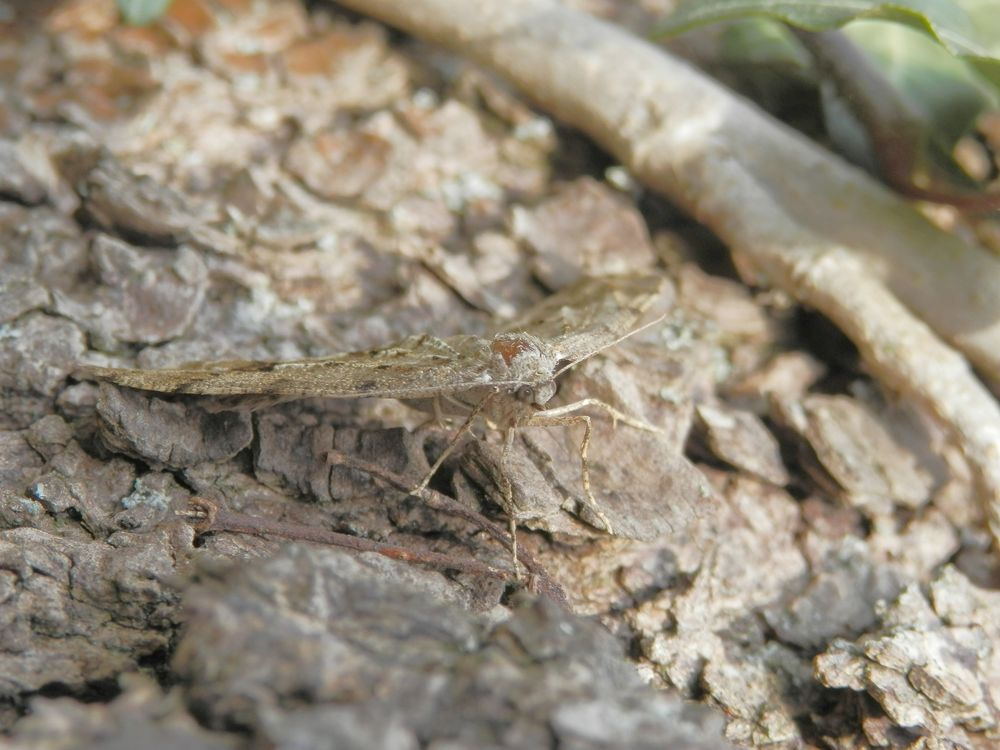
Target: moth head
[{"x": 537, "y": 394}]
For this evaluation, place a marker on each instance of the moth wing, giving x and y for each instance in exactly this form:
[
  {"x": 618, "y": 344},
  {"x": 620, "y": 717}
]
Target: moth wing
[
  {"x": 414, "y": 367},
  {"x": 595, "y": 312}
]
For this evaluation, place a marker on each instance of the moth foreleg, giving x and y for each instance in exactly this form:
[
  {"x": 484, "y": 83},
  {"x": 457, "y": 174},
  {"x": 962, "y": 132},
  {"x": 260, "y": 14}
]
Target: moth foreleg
[
  {"x": 552, "y": 418},
  {"x": 438, "y": 413},
  {"x": 507, "y": 489},
  {"x": 616, "y": 415},
  {"x": 437, "y": 416},
  {"x": 466, "y": 426}
]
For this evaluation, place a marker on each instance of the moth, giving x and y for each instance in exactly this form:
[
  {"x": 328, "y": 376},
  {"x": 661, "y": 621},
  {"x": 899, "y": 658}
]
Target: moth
[{"x": 506, "y": 378}]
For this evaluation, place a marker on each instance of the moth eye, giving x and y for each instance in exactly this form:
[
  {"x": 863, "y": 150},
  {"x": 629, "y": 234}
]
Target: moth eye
[{"x": 525, "y": 393}]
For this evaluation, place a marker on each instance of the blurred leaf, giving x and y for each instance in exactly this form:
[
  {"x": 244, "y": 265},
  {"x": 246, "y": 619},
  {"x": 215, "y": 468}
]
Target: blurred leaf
[
  {"x": 943, "y": 90},
  {"x": 985, "y": 16},
  {"x": 142, "y": 12},
  {"x": 758, "y": 41},
  {"x": 763, "y": 60},
  {"x": 945, "y": 21},
  {"x": 941, "y": 58}
]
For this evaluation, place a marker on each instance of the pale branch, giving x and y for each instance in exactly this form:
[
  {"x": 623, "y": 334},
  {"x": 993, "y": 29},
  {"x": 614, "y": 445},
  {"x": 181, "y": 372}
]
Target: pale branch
[{"x": 793, "y": 215}]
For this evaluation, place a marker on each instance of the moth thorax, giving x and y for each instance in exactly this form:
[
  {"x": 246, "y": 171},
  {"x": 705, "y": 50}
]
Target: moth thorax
[
  {"x": 525, "y": 356},
  {"x": 513, "y": 347}
]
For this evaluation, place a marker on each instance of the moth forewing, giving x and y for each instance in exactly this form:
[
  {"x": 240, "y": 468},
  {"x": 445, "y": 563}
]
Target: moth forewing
[
  {"x": 571, "y": 325},
  {"x": 595, "y": 313},
  {"x": 410, "y": 368}
]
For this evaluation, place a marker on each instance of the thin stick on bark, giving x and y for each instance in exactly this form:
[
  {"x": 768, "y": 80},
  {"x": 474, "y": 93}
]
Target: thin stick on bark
[
  {"x": 539, "y": 580},
  {"x": 207, "y": 516}
]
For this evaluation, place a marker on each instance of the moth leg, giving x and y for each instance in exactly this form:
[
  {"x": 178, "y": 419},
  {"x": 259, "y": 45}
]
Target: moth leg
[
  {"x": 548, "y": 419},
  {"x": 616, "y": 416},
  {"x": 508, "y": 499},
  {"x": 438, "y": 414},
  {"x": 437, "y": 419},
  {"x": 466, "y": 426},
  {"x": 451, "y": 400},
  {"x": 454, "y": 401}
]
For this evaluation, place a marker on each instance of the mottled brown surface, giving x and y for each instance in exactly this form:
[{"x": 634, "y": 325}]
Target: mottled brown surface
[{"x": 796, "y": 548}]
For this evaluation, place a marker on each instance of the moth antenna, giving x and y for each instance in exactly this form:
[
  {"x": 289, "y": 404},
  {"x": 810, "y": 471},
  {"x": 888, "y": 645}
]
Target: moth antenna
[{"x": 640, "y": 329}]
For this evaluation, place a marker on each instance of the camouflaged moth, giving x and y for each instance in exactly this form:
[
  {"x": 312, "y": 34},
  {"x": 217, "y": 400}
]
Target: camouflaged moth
[{"x": 507, "y": 377}]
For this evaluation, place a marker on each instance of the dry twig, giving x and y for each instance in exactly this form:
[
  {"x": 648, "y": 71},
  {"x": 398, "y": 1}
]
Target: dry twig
[
  {"x": 207, "y": 517},
  {"x": 539, "y": 580}
]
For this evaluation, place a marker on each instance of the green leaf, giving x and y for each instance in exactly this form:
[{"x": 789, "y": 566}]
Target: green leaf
[
  {"x": 946, "y": 93},
  {"x": 761, "y": 42},
  {"x": 985, "y": 15},
  {"x": 142, "y": 12},
  {"x": 944, "y": 20},
  {"x": 942, "y": 57},
  {"x": 968, "y": 29}
]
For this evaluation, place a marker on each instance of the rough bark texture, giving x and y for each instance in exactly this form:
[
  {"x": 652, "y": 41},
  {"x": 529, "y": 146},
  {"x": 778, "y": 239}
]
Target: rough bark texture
[{"x": 799, "y": 560}]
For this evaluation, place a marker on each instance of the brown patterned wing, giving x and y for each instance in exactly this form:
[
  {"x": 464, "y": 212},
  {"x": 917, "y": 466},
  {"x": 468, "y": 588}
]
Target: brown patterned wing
[
  {"x": 595, "y": 313},
  {"x": 417, "y": 367}
]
